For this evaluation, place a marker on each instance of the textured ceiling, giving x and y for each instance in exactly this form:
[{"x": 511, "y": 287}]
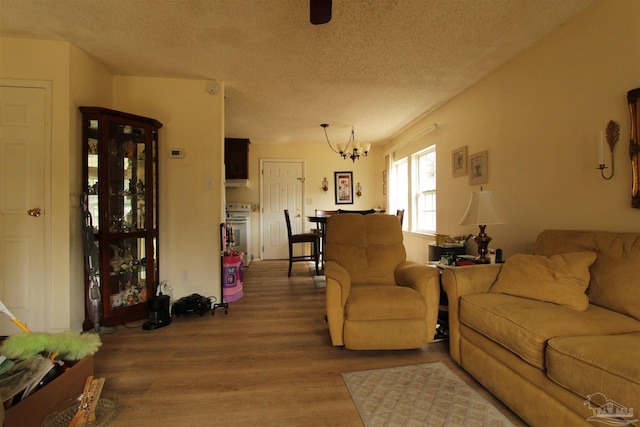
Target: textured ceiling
[{"x": 379, "y": 65}]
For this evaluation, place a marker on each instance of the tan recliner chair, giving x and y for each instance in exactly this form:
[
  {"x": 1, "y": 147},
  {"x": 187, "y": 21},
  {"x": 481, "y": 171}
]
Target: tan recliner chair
[{"x": 376, "y": 299}]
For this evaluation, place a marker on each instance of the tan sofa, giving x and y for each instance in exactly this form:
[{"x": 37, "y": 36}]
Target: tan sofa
[
  {"x": 376, "y": 299},
  {"x": 524, "y": 331}
]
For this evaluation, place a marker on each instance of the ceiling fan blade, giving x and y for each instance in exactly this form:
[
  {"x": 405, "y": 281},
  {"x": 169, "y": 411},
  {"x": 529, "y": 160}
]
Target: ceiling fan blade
[{"x": 319, "y": 11}]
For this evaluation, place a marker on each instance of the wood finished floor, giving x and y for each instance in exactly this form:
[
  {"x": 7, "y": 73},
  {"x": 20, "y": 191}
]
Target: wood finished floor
[{"x": 268, "y": 362}]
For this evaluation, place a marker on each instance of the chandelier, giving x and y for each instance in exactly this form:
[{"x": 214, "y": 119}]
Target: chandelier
[{"x": 352, "y": 149}]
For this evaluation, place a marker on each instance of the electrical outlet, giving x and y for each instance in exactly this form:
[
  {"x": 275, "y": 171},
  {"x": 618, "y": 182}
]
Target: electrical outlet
[{"x": 185, "y": 276}]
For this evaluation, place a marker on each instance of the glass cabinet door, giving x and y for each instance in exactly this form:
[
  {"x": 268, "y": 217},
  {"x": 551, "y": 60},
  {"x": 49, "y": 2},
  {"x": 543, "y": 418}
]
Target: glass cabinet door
[
  {"x": 128, "y": 276},
  {"x": 126, "y": 178},
  {"x": 92, "y": 172},
  {"x": 126, "y": 207}
]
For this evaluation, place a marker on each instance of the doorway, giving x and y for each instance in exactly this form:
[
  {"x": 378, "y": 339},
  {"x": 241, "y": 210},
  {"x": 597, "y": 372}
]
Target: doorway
[
  {"x": 282, "y": 187},
  {"x": 24, "y": 135}
]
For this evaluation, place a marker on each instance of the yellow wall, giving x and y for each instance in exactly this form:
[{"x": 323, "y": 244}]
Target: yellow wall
[
  {"x": 24, "y": 60},
  {"x": 191, "y": 188},
  {"x": 75, "y": 80},
  {"x": 90, "y": 84},
  {"x": 539, "y": 117},
  {"x": 190, "y": 202},
  {"x": 319, "y": 162}
]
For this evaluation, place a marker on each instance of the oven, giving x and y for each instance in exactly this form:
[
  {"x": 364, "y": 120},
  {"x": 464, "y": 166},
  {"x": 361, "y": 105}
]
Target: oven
[{"x": 239, "y": 219}]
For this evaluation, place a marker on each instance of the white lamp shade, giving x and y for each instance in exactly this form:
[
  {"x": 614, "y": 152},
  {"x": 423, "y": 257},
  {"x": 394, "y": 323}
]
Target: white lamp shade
[{"x": 481, "y": 210}]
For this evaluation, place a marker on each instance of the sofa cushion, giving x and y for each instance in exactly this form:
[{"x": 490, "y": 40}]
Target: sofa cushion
[
  {"x": 560, "y": 279},
  {"x": 384, "y": 303},
  {"x": 590, "y": 365},
  {"x": 614, "y": 276},
  {"x": 524, "y": 326}
]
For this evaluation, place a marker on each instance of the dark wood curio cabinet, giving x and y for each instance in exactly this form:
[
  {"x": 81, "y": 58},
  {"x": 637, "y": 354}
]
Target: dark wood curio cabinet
[{"x": 120, "y": 183}]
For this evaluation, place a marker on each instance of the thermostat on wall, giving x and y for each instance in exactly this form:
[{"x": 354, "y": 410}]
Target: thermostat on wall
[{"x": 176, "y": 153}]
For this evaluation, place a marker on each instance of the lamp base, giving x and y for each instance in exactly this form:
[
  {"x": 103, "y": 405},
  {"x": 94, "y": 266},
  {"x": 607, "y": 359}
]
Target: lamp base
[
  {"x": 482, "y": 260},
  {"x": 482, "y": 240}
]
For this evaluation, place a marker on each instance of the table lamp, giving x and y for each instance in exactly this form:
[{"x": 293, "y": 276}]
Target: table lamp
[{"x": 481, "y": 212}]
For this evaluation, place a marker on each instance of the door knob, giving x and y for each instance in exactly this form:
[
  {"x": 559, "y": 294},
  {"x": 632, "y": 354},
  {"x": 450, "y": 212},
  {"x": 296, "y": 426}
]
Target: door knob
[{"x": 36, "y": 212}]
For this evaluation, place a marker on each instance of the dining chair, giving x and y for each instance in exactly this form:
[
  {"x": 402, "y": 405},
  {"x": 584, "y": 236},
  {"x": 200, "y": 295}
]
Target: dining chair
[
  {"x": 400, "y": 215},
  {"x": 361, "y": 212},
  {"x": 324, "y": 212},
  {"x": 302, "y": 238}
]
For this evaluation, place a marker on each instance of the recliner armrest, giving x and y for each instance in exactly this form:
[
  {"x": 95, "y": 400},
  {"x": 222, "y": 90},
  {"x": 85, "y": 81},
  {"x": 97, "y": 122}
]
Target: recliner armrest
[
  {"x": 426, "y": 281},
  {"x": 417, "y": 276},
  {"x": 336, "y": 272},
  {"x": 337, "y": 292}
]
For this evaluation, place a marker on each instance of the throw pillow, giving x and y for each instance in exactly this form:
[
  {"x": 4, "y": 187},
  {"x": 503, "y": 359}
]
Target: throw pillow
[{"x": 561, "y": 279}]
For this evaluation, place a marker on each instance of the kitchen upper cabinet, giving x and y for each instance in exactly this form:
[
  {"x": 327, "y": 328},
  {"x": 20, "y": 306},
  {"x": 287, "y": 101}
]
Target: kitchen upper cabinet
[{"x": 236, "y": 158}]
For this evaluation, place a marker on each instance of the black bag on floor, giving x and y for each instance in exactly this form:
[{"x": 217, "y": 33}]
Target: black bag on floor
[{"x": 193, "y": 304}]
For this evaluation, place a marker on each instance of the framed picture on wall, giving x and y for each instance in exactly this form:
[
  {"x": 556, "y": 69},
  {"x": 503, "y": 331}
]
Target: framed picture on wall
[
  {"x": 478, "y": 168},
  {"x": 459, "y": 161},
  {"x": 344, "y": 187}
]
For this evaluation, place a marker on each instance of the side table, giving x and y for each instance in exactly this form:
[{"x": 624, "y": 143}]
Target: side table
[{"x": 442, "y": 325}]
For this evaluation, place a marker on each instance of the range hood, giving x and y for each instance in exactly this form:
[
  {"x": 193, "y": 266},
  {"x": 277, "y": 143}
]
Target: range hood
[{"x": 236, "y": 183}]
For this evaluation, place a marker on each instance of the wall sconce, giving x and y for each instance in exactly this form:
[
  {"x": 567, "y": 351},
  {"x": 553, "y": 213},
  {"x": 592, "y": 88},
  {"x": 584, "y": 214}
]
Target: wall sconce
[
  {"x": 358, "y": 190},
  {"x": 612, "y": 134},
  {"x": 325, "y": 184}
]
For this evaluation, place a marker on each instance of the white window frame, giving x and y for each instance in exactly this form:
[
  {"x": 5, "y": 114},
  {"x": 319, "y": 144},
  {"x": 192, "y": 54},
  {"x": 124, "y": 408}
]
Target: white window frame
[
  {"x": 397, "y": 198},
  {"x": 423, "y": 191}
]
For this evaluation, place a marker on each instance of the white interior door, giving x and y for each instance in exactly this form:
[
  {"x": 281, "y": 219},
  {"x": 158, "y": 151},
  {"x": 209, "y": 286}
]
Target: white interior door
[
  {"x": 282, "y": 188},
  {"x": 22, "y": 165}
]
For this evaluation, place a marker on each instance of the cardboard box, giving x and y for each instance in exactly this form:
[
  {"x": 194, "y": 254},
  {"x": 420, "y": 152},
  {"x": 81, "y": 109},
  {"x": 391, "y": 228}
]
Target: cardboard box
[{"x": 31, "y": 411}]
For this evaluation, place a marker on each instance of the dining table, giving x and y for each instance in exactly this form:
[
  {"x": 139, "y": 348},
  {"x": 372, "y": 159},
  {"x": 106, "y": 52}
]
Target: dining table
[
  {"x": 321, "y": 222},
  {"x": 320, "y": 219}
]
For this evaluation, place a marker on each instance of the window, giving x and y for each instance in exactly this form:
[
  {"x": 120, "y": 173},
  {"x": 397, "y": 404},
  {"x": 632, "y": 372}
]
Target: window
[
  {"x": 412, "y": 187},
  {"x": 424, "y": 190},
  {"x": 399, "y": 188}
]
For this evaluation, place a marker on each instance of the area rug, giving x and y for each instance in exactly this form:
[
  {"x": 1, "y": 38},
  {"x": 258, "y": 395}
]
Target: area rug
[{"x": 419, "y": 395}]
